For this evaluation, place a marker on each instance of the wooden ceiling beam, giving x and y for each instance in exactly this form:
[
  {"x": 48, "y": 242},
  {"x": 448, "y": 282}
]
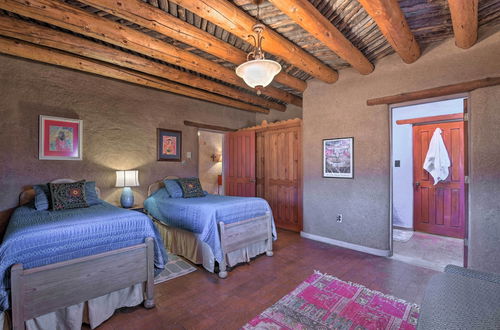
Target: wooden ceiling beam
[
  {"x": 231, "y": 18},
  {"x": 393, "y": 25},
  {"x": 40, "y": 35},
  {"x": 310, "y": 19},
  {"x": 464, "y": 16},
  {"x": 155, "y": 19},
  {"x": 91, "y": 25},
  {"x": 50, "y": 56}
]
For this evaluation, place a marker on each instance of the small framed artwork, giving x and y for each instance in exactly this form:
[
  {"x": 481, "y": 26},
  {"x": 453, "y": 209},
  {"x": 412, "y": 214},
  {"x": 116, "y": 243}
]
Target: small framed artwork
[
  {"x": 169, "y": 145},
  {"x": 338, "y": 158},
  {"x": 60, "y": 138}
]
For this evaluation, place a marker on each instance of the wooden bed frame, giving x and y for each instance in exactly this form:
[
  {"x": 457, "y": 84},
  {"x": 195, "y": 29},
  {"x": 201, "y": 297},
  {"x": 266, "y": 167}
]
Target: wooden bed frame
[
  {"x": 44, "y": 289},
  {"x": 236, "y": 235}
]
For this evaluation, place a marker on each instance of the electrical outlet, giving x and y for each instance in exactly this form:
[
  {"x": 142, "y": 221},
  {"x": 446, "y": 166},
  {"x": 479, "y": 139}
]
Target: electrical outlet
[{"x": 339, "y": 217}]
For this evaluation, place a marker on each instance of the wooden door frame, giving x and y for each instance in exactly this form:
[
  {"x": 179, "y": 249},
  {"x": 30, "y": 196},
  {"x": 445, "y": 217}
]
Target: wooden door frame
[{"x": 467, "y": 160}]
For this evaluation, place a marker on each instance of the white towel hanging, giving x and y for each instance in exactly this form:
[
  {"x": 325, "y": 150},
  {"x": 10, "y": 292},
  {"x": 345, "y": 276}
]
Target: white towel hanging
[{"x": 437, "y": 161}]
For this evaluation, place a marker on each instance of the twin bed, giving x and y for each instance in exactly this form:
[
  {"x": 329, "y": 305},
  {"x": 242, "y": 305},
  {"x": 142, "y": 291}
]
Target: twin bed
[
  {"x": 79, "y": 265},
  {"x": 76, "y": 265},
  {"x": 226, "y": 229}
]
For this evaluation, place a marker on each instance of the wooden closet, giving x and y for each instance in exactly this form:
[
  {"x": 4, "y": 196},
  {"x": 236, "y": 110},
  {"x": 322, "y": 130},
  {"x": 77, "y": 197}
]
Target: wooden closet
[{"x": 278, "y": 168}]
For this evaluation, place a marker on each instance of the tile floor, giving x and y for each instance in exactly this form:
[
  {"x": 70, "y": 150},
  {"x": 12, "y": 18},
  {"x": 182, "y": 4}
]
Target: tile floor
[{"x": 430, "y": 251}]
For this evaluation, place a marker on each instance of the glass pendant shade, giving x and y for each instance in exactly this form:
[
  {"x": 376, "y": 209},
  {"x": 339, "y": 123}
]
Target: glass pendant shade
[{"x": 258, "y": 73}]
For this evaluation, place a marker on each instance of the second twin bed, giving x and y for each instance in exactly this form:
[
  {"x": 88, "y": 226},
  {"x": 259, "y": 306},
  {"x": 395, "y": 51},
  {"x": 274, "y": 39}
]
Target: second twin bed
[{"x": 211, "y": 228}]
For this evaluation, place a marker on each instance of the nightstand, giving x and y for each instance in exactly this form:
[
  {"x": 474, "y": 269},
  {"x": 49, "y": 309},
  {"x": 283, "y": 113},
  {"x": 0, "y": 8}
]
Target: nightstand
[{"x": 137, "y": 208}]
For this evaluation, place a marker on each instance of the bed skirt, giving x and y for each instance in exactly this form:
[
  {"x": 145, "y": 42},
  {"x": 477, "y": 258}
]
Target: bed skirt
[
  {"x": 185, "y": 244},
  {"x": 93, "y": 312}
]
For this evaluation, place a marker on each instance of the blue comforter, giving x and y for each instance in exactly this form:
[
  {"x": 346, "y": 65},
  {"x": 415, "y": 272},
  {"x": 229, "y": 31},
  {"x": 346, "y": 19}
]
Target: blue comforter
[
  {"x": 200, "y": 215},
  {"x": 36, "y": 238}
]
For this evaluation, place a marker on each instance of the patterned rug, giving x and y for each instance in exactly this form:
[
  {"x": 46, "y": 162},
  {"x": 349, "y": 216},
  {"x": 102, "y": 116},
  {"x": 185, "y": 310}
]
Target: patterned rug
[
  {"x": 402, "y": 235},
  {"x": 175, "y": 267},
  {"x": 325, "y": 302}
]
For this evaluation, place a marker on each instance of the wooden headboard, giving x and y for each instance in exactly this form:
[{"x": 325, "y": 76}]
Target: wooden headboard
[
  {"x": 159, "y": 184},
  {"x": 28, "y": 194}
]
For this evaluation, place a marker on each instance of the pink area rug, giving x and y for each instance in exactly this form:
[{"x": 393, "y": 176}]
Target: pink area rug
[{"x": 325, "y": 302}]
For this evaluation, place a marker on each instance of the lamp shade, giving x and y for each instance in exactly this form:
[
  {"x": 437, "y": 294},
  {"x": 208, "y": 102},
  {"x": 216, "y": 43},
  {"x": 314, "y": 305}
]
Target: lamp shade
[
  {"x": 258, "y": 72},
  {"x": 127, "y": 178}
]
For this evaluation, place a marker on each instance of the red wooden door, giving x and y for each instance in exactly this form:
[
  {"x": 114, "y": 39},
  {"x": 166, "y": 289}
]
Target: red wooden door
[
  {"x": 439, "y": 209},
  {"x": 239, "y": 163}
]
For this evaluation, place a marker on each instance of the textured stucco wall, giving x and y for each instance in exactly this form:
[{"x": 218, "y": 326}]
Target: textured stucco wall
[
  {"x": 484, "y": 151},
  {"x": 340, "y": 110},
  {"x": 209, "y": 143},
  {"x": 120, "y": 122}
]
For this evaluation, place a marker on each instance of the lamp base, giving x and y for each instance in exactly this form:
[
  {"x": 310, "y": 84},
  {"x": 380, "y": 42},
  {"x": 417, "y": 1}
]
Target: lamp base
[{"x": 127, "y": 198}]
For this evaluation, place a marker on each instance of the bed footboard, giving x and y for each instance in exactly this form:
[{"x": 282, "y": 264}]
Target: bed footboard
[
  {"x": 44, "y": 289},
  {"x": 241, "y": 234}
]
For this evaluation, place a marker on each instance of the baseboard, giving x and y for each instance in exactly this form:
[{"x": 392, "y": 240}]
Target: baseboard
[{"x": 361, "y": 248}]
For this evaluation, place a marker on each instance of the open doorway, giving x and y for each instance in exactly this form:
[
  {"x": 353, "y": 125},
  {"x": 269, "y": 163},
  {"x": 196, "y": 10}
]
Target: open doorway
[
  {"x": 210, "y": 157},
  {"x": 429, "y": 170}
]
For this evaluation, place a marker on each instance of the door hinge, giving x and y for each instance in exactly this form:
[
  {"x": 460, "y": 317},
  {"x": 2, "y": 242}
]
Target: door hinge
[
  {"x": 466, "y": 242},
  {"x": 466, "y": 179},
  {"x": 466, "y": 116}
]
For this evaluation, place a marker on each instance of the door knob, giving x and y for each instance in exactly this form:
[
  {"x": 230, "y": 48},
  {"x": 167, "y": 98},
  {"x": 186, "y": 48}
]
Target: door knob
[
  {"x": 417, "y": 184},
  {"x": 251, "y": 180}
]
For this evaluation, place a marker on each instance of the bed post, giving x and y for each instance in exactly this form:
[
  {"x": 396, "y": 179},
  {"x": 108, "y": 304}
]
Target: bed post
[
  {"x": 149, "y": 301},
  {"x": 223, "y": 264},
  {"x": 17, "y": 292},
  {"x": 269, "y": 251}
]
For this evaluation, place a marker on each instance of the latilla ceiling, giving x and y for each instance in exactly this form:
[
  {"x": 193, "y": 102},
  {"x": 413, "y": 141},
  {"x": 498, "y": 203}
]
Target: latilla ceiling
[{"x": 429, "y": 21}]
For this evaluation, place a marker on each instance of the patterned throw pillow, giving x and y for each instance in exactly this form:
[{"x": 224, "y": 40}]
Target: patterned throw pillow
[
  {"x": 191, "y": 187},
  {"x": 173, "y": 188},
  {"x": 42, "y": 197},
  {"x": 68, "y": 195}
]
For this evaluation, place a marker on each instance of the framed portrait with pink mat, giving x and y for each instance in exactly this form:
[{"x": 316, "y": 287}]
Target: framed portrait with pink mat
[
  {"x": 60, "y": 138},
  {"x": 169, "y": 145}
]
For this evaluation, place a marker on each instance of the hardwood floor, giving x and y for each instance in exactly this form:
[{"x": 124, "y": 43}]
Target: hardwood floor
[{"x": 200, "y": 300}]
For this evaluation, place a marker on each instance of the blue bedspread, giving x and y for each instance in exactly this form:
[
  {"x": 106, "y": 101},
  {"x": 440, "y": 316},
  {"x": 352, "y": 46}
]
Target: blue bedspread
[
  {"x": 200, "y": 215},
  {"x": 36, "y": 238}
]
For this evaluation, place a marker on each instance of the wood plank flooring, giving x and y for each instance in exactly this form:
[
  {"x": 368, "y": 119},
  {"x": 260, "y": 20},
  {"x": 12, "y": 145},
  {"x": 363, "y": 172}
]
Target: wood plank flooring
[{"x": 200, "y": 300}]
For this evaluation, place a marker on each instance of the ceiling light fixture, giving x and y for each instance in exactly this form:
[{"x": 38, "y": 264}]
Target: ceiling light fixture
[{"x": 257, "y": 72}]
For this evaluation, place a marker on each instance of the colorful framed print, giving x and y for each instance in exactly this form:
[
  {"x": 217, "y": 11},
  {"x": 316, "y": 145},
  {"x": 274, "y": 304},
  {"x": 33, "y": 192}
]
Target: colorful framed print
[
  {"x": 338, "y": 158},
  {"x": 60, "y": 138},
  {"x": 169, "y": 145}
]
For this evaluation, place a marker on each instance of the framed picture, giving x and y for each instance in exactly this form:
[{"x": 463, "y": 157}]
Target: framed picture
[
  {"x": 60, "y": 138},
  {"x": 169, "y": 145},
  {"x": 338, "y": 158}
]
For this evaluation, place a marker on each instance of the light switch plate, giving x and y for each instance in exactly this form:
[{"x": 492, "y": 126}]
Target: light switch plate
[{"x": 188, "y": 155}]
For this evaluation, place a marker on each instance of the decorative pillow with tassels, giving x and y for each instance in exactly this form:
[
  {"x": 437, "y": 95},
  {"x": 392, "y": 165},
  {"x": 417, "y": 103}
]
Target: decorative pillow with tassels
[
  {"x": 191, "y": 187},
  {"x": 68, "y": 195}
]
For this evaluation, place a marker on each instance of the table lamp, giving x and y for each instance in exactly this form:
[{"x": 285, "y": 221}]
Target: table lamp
[{"x": 127, "y": 179}]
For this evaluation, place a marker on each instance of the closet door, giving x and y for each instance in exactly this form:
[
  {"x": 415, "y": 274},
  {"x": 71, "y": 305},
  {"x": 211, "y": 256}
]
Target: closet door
[
  {"x": 239, "y": 163},
  {"x": 283, "y": 175}
]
